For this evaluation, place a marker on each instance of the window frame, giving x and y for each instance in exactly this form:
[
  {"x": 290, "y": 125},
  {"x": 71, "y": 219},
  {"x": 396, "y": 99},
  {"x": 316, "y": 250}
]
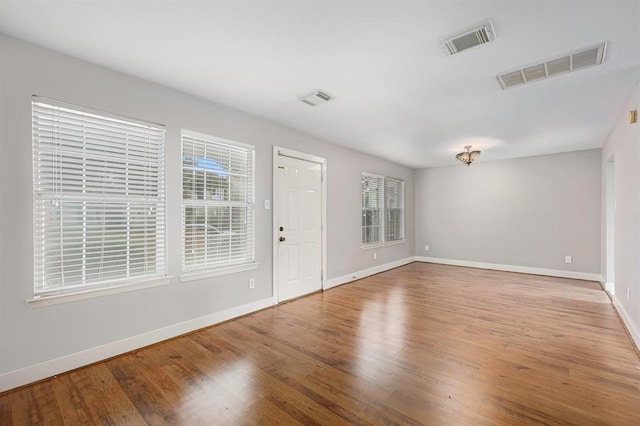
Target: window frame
[
  {"x": 55, "y": 150},
  {"x": 379, "y": 208},
  {"x": 384, "y": 197},
  {"x": 402, "y": 209},
  {"x": 203, "y": 270}
]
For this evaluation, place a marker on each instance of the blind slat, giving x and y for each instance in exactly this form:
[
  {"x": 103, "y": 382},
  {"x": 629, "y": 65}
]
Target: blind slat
[
  {"x": 218, "y": 211},
  {"x": 394, "y": 204},
  {"x": 382, "y": 209},
  {"x": 372, "y": 197},
  {"x": 99, "y": 201}
]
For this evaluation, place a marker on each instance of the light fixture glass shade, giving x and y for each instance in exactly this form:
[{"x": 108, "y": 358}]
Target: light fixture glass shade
[{"x": 468, "y": 156}]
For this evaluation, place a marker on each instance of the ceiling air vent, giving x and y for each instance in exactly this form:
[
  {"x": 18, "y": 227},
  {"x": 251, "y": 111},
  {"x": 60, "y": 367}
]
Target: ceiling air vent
[
  {"x": 468, "y": 38},
  {"x": 569, "y": 62},
  {"x": 316, "y": 98}
]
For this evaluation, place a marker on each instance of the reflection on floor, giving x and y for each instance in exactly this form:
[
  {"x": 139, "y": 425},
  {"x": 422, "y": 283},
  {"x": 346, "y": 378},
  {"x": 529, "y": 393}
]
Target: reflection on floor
[{"x": 420, "y": 344}]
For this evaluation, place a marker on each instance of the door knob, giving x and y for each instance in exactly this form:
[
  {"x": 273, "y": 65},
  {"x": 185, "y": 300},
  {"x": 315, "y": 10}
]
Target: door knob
[{"x": 282, "y": 239}]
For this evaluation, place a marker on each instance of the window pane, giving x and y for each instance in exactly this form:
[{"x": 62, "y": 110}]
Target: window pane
[
  {"x": 194, "y": 234},
  {"x": 370, "y": 226},
  {"x": 372, "y": 195},
  {"x": 394, "y": 203},
  {"x": 218, "y": 230},
  {"x": 98, "y": 198}
]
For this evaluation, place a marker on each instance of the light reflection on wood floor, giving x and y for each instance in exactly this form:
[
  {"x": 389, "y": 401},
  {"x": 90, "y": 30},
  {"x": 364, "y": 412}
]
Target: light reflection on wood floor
[{"x": 421, "y": 344}]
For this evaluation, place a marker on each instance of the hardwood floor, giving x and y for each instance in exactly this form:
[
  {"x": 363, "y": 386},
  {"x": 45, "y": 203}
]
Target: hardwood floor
[{"x": 421, "y": 344}]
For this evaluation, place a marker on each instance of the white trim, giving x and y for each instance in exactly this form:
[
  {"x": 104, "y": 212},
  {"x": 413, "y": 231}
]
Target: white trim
[
  {"x": 95, "y": 111},
  {"x": 217, "y": 272},
  {"x": 372, "y": 246},
  {"x": 603, "y": 286},
  {"x": 286, "y": 152},
  {"x": 395, "y": 242},
  {"x": 375, "y": 175},
  {"x": 204, "y": 136},
  {"x": 275, "y": 225},
  {"x": 628, "y": 322},
  {"x": 609, "y": 288},
  {"x": 512, "y": 268},
  {"x": 33, "y": 373},
  {"x": 56, "y": 299},
  {"x": 334, "y": 282}
]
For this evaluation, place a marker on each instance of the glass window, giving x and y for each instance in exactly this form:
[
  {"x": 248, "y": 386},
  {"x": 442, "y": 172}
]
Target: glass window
[
  {"x": 394, "y": 204},
  {"x": 99, "y": 198},
  {"x": 217, "y": 203},
  {"x": 372, "y": 207}
]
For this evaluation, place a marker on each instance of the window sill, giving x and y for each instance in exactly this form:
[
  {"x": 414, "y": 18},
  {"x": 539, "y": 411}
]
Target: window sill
[
  {"x": 56, "y": 299},
  {"x": 378, "y": 245},
  {"x": 372, "y": 246},
  {"x": 217, "y": 272}
]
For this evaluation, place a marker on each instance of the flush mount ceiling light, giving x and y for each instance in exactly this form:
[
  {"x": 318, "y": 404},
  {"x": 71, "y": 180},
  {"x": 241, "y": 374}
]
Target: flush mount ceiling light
[
  {"x": 468, "y": 156},
  {"x": 468, "y": 38},
  {"x": 573, "y": 61},
  {"x": 316, "y": 98}
]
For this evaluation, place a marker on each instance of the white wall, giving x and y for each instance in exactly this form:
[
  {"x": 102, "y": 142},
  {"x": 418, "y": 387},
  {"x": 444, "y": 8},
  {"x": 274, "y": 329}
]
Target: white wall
[
  {"x": 526, "y": 212},
  {"x": 56, "y": 335},
  {"x": 623, "y": 145}
]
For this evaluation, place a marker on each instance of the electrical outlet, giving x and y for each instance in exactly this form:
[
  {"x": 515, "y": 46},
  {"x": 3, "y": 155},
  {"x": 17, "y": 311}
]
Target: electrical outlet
[
  {"x": 568, "y": 259},
  {"x": 426, "y": 248},
  {"x": 252, "y": 283},
  {"x": 375, "y": 255},
  {"x": 267, "y": 204},
  {"x": 628, "y": 294}
]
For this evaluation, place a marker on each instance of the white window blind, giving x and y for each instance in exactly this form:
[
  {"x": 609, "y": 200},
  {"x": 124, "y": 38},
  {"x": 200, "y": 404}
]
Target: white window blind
[
  {"x": 372, "y": 207},
  {"x": 99, "y": 198},
  {"x": 394, "y": 204},
  {"x": 218, "y": 204}
]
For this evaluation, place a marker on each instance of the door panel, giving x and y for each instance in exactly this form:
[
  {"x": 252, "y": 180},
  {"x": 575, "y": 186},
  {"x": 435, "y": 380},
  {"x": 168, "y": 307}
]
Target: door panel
[{"x": 300, "y": 241}]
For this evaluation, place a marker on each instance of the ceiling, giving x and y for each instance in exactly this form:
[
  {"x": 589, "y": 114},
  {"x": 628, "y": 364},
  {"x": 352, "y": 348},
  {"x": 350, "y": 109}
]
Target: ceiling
[{"x": 397, "y": 95}]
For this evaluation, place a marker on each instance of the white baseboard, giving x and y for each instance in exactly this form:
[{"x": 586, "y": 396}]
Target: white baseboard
[
  {"x": 610, "y": 288},
  {"x": 333, "y": 282},
  {"x": 631, "y": 327},
  {"x": 513, "y": 268},
  {"x": 33, "y": 373}
]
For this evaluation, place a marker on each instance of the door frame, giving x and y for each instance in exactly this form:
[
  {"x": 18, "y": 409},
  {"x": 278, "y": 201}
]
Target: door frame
[
  {"x": 286, "y": 152},
  {"x": 610, "y": 227}
]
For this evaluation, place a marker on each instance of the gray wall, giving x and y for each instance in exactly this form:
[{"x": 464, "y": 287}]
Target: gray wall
[
  {"x": 33, "y": 335},
  {"x": 527, "y": 212},
  {"x": 623, "y": 146}
]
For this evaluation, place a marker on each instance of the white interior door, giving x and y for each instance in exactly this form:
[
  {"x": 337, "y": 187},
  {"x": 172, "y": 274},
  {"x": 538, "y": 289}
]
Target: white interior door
[{"x": 299, "y": 222}]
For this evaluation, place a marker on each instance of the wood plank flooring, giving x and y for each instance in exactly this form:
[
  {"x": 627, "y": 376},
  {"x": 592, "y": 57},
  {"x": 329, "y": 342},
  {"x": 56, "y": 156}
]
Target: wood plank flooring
[{"x": 421, "y": 344}]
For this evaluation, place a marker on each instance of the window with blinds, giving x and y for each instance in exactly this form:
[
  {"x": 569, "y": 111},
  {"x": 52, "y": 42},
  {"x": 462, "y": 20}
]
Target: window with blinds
[
  {"x": 372, "y": 207},
  {"x": 99, "y": 199},
  {"x": 394, "y": 204},
  {"x": 217, "y": 204}
]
